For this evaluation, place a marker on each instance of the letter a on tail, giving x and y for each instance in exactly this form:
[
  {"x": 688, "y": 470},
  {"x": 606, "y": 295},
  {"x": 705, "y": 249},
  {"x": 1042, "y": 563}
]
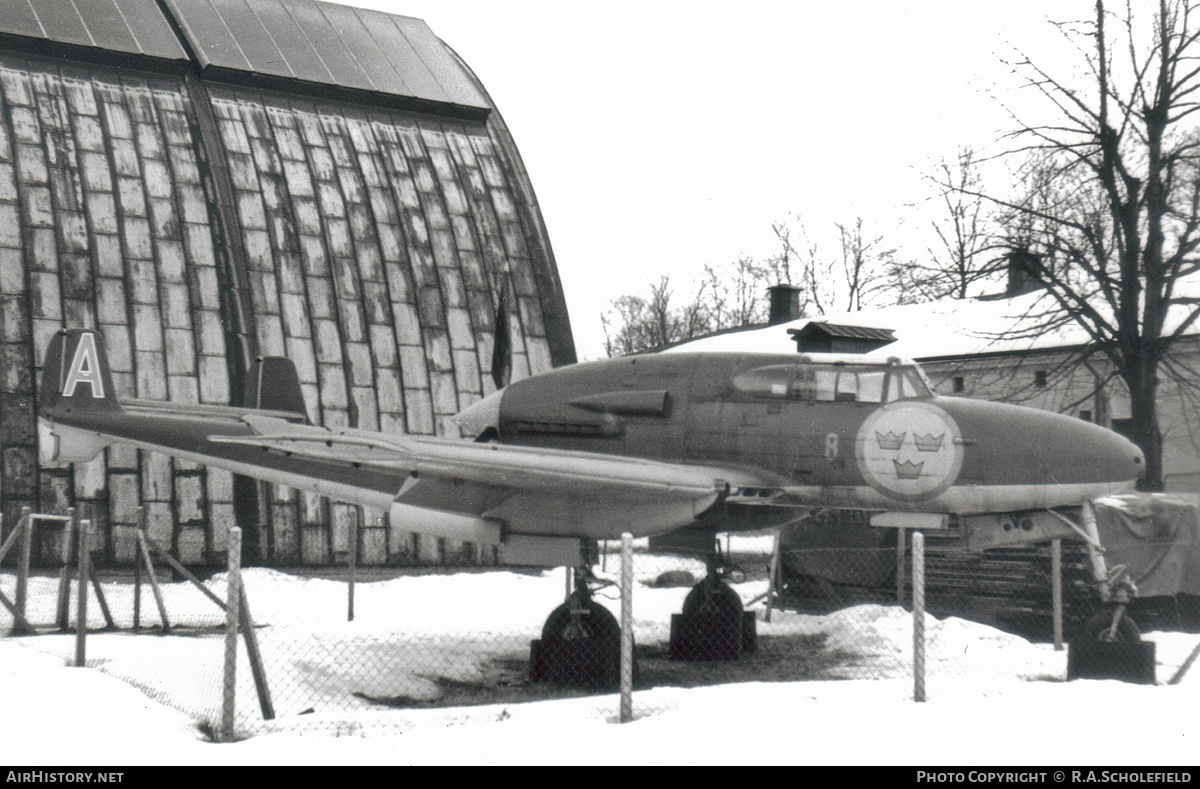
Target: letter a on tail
[
  {"x": 85, "y": 368},
  {"x": 76, "y": 378}
]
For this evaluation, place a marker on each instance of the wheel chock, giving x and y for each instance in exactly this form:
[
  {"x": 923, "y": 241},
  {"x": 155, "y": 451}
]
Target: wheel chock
[
  {"x": 1124, "y": 660},
  {"x": 592, "y": 663}
]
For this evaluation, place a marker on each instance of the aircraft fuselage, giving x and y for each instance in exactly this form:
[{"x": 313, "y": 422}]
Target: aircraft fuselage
[{"x": 834, "y": 431}]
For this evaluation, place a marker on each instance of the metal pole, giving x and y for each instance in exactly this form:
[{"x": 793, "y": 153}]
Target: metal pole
[
  {"x": 774, "y": 573},
  {"x": 158, "y": 598},
  {"x": 81, "y": 595},
  {"x": 900, "y": 566},
  {"x": 63, "y": 609},
  {"x": 1187, "y": 664},
  {"x": 137, "y": 570},
  {"x": 918, "y": 608},
  {"x": 1095, "y": 555},
  {"x": 232, "y": 608},
  {"x": 626, "y": 627},
  {"x": 353, "y": 565},
  {"x": 1057, "y": 591},
  {"x": 254, "y": 654}
]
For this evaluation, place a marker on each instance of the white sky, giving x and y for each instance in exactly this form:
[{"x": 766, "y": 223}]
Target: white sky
[{"x": 663, "y": 135}]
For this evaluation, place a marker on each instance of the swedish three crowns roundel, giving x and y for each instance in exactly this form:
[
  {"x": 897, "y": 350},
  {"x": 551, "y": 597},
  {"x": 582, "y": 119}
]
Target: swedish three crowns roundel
[{"x": 909, "y": 451}]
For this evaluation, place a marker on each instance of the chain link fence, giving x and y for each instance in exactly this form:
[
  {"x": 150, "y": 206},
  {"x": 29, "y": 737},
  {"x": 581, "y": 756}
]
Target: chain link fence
[{"x": 408, "y": 647}]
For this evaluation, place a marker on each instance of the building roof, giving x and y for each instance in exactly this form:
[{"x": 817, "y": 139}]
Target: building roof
[
  {"x": 946, "y": 328},
  {"x": 327, "y": 44},
  {"x": 135, "y": 27},
  {"x": 848, "y": 332}
]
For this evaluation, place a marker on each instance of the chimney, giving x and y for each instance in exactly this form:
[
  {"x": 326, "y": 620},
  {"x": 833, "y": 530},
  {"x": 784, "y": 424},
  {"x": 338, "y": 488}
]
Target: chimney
[
  {"x": 1021, "y": 264},
  {"x": 785, "y": 304}
]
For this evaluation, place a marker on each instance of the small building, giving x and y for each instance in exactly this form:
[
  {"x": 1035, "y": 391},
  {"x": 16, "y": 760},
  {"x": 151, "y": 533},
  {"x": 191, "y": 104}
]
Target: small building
[{"x": 822, "y": 337}]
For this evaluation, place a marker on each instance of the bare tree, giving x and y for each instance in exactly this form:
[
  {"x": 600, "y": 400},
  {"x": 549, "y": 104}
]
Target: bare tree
[
  {"x": 1108, "y": 219},
  {"x": 865, "y": 263},
  {"x": 961, "y": 258},
  {"x": 724, "y": 298},
  {"x": 735, "y": 295},
  {"x": 635, "y": 323},
  {"x": 861, "y": 276},
  {"x": 800, "y": 262}
]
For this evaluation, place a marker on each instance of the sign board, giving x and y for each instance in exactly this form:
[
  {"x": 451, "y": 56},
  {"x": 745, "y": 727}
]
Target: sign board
[{"x": 911, "y": 520}]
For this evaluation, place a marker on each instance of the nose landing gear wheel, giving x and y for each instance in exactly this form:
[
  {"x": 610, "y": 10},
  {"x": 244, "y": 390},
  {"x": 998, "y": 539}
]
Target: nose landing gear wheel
[{"x": 1101, "y": 654}]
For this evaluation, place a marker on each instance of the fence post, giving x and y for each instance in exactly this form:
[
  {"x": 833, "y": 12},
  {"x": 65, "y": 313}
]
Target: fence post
[
  {"x": 137, "y": 570},
  {"x": 62, "y": 611},
  {"x": 24, "y": 552},
  {"x": 626, "y": 627},
  {"x": 900, "y": 566},
  {"x": 1057, "y": 591},
  {"x": 918, "y": 609},
  {"x": 81, "y": 594},
  {"x": 20, "y": 624},
  {"x": 232, "y": 609}
]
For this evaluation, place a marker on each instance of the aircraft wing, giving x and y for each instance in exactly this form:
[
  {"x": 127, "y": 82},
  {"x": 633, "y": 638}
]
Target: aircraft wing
[
  {"x": 491, "y": 465},
  {"x": 465, "y": 490}
]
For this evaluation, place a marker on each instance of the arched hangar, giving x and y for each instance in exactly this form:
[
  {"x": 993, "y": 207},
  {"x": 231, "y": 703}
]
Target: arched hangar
[{"x": 208, "y": 181}]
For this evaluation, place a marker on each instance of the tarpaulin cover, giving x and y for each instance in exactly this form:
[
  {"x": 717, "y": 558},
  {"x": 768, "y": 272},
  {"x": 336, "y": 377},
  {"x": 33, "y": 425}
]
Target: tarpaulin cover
[{"x": 1155, "y": 535}]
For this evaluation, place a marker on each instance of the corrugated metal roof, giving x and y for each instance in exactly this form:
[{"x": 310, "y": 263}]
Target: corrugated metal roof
[
  {"x": 327, "y": 44},
  {"x": 134, "y": 27}
]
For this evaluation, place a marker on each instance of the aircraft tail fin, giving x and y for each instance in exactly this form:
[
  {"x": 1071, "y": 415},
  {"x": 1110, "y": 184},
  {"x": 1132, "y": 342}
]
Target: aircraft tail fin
[
  {"x": 76, "y": 380},
  {"x": 77, "y": 394},
  {"x": 273, "y": 385}
]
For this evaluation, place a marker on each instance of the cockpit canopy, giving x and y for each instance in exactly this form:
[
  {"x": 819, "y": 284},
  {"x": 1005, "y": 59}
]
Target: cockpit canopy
[{"x": 819, "y": 381}]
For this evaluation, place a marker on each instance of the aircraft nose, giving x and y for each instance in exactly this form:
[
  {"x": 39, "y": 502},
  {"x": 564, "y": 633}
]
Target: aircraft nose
[
  {"x": 1139, "y": 461},
  {"x": 1073, "y": 448},
  {"x": 1016, "y": 443},
  {"x": 478, "y": 417},
  {"x": 1110, "y": 454}
]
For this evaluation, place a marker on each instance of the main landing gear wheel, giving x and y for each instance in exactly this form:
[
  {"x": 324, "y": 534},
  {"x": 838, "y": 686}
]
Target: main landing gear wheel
[
  {"x": 580, "y": 644},
  {"x": 1099, "y": 628},
  {"x": 713, "y": 625}
]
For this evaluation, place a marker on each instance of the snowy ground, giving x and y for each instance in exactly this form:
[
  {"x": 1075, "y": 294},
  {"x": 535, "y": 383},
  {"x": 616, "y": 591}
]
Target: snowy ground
[{"x": 994, "y": 698}]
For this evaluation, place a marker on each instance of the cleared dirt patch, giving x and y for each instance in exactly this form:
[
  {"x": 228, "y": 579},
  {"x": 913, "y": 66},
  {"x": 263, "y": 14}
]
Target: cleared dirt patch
[{"x": 506, "y": 679}]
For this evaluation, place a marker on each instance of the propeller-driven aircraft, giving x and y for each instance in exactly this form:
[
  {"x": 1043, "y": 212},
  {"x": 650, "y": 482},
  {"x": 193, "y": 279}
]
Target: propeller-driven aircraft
[{"x": 659, "y": 445}]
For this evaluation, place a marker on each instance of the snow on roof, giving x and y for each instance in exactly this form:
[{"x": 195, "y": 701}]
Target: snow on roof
[{"x": 950, "y": 327}]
